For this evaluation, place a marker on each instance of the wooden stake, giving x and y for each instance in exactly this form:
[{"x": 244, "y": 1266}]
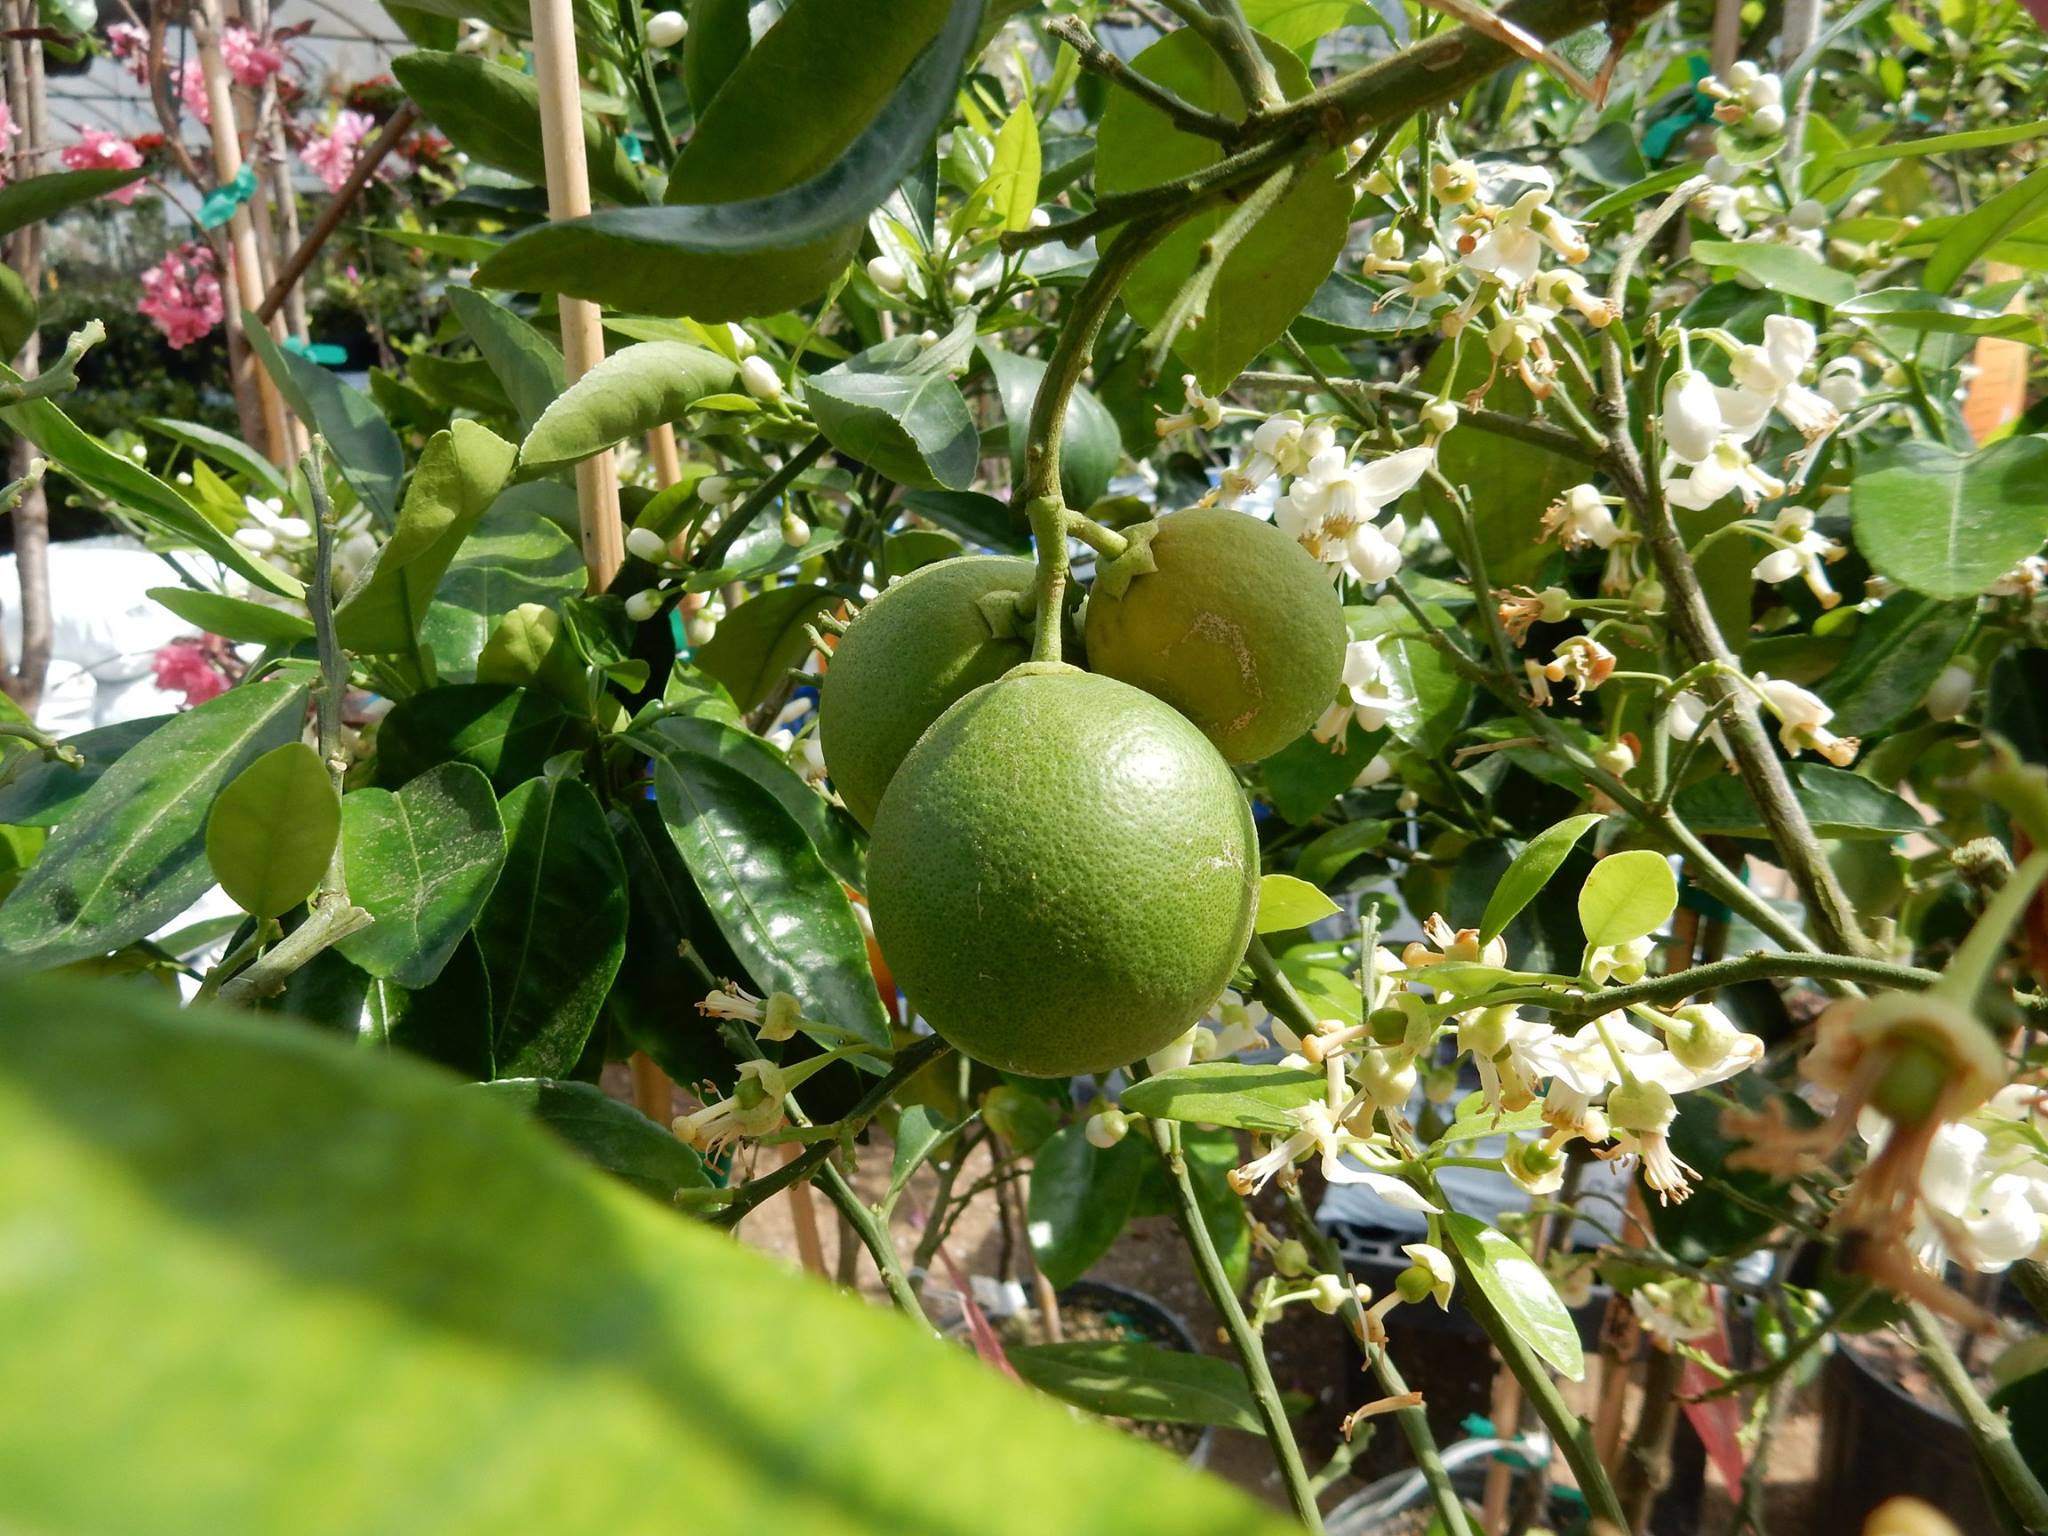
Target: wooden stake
[
  {"x": 661, "y": 451},
  {"x": 653, "y": 1091},
  {"x": 561, "y": 142},
  {"x": 227, "y": 163},
  {"x": 803, "y": 1215}
]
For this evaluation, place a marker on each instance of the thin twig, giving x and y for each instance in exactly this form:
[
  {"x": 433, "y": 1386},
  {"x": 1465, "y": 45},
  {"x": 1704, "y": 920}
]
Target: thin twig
[
  {"x": 1096, "y": 59},
  {"x": 396, "y": 128}
]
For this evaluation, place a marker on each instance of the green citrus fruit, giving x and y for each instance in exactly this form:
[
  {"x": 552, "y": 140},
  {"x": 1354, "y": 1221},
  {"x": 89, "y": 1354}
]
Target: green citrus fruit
[
  {"x": 1235, "y": 625},
  {"x": 905, "y": 658},
  {"x": 1063, "y": 873}
]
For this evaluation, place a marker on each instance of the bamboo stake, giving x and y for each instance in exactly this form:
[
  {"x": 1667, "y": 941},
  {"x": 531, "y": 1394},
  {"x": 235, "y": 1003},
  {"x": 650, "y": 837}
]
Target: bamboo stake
[
  {"x": 561, "y": 142},
  {"x": 227, "y": 163},
  {"x": 662, "y": 453},
  {"x": 803, "y": 1214}
]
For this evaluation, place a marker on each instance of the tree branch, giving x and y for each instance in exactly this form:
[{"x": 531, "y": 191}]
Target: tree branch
[{"x": 1098, "y": 60}]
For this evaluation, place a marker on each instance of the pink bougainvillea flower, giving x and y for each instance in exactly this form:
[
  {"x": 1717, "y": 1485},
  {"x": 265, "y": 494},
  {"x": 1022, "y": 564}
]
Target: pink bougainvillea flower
[
  {"x": 99, "y": 150},
  {"x": 181, "y": 294},
  {"x": 9, "y": 131},
  {"x": 250, "y": 59},
  {"x": 332, "y": 155},
  {"x": 193, "y": 667}
]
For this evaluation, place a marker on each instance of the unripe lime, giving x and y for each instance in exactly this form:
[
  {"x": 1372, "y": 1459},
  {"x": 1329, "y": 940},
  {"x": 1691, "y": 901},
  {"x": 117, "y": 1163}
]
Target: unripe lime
[
  {"x": 1062, "y": 873},
  {"x": 1237, "y": 627},
  {"x": 907, "y": 656}
]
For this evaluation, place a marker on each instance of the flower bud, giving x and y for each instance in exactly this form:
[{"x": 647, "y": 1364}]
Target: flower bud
[
  {"x": 1387, "y": 243},
  {"x": 701, "y": 628},
  {"x": 1768, "y": 120},
  {"x": 1950, "y": 693},
  {"x": 716, "y": 490},
  {"x": 666, "y": 28},
  {"x": 1328, "y": 1294},
  {"x": 1700, "y": 1036},
  {"x": 742, "y": 343},
  {"x": 1107, "y": 1129},
  {"x": 1291, "y": 1258},
  {"x": 644, "y": 605},
  {"x": 646, "y": 544},
  {"x": 761, "y": 380},
  {"x": 796, "y": 533},
  {"x": 1808, "y": 213},
  {"x": 1454, "y": 181},
  {"x": 887, "y": 274},
  {"x": 1439, "y": 416}
]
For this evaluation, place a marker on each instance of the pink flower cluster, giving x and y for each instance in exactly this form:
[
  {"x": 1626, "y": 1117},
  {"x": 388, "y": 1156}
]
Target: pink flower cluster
[
  {"x": 332, "y": 155},
  {"x": 9, "y": 131},
  {"x": 193, "y": 668},
  {"x": 250, "y": 59},
  {"x": 181, "y": 294},
  {"x": 192, "y": 92},
  {"x": 130, "y": 47},
  {"x": 99, "y": 150}
]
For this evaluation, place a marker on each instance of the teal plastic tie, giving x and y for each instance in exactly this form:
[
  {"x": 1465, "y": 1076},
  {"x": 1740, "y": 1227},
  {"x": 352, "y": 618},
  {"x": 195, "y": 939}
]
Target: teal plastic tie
[{"x": 222, "y": 201}]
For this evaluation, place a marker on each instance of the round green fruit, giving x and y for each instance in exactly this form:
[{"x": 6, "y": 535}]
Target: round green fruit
[
  {"x": 1228, "y": 620},
  {"x": 1063, "y": 873},
  {"x": 904, "y": 660}
]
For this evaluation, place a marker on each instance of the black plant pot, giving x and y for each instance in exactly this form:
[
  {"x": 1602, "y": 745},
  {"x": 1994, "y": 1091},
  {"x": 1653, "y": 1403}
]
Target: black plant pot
[
  {"x": 1878, "y": 1440},
  {"x": 1150, "y": 1319}
]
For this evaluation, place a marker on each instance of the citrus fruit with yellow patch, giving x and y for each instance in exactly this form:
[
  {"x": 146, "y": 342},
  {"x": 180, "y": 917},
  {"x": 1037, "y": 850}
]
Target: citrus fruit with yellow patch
[
  {"x": 1229, "y": 621},
  {"x": 1063, "y": 873},
  {"x": 918, "y": 646}
]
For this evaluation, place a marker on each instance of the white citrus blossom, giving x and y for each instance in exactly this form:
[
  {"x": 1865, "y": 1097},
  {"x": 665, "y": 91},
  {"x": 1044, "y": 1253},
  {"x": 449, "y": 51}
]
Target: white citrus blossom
[
  {"x": 1692, "y": 416},
  {"x": 1282, "y": 445},
  {"x": 1803, "y": 721},
  {"x": 1641, "y": 1114},
  {"x": 754, "y": 1110},
  {"x": 1805, "y": 554},
  {"x": 1202, "y": 413},
  {"x": 1231, "y": 1026},
  {"x": 1321, "y": 1132},
  {"x": 1580, "y": 517},
  {"x": 1726, "y": 467},
  {"x": 1766, "y": 378},
  {"x": 1106, "y": 1129},
  {"x": 1676, "y": 1311},
  {"x": 1334, "y": 497},
  {"x": 1371, "y": 694},
  {"x": 1978, "y": 1207}
]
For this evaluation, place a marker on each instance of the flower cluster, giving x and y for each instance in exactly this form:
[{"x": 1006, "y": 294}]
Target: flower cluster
[
  {"x": 181, "y": 294},
  {"x": 250, "y": 59},
  {"x": 99, "y": 150},
  {"x": 332, "y": 155},
  {"x": 1706, "y": 426}
]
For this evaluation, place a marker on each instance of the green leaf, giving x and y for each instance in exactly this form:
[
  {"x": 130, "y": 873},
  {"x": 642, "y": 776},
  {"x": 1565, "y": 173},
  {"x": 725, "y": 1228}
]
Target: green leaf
[
  {"x": 1079, "y": 1201},
  {"x": 38, "y": 791},
  {"x": 507, "y": 732},
  {"x": 1939, "y": 144},
  {"x": 527, "y": 364},
  {"x": 1090, "y": 445},
  {"x": 1950, "y": 524},
  {"x": 1519, "y": 1291},
  {"x": 895, "y": 409},
  {"x": 1328, "y": 854},
  {"x": 773, "y": 899},
  {"x": 368, "y": 451},
  {"x": 1306, "y": 774},
  {"x": 1476, "y": 1120},
  {"x": 421, "y": 860},
  {"x": 1122, "y": 1379},
  {"x": 1839, "y": 803},
  {"x": 1211, "y": 1152},
  {"x": 636, "y": 388},
  {"x": 1012, "y": 184},
  {"x": 1910, "y": 309},
  {"x": 38, "y": 199},
  {"x": 759, "y": 641},
  {"x": 920, "y": 1131},
  {"x": 758, "y": 254},
  {"x": 447, "y": 1021},
  {"x": 97, "y": 468},
  {"x": 974, "y": 517},
  {"x": 458, "y": 477},
  {"x": 1779, "y": 268},
  {"x": 614, "y": 1136},
  {"x": 1531, "y": 871},
  {"x": 1276, "y": 268},
  {"x": 532, "y": 648},
  {"x": 514, "y": 556},
  {"x": 1983, "y": 227},
  {"x": 492, "y": 114},
  {"x": 1892, "y": 660},
  {"x": 829, "y": 828},
  {"x": 1438, "y": 696},
  {"x": 1301, "y": 24},
  {"x": 1285, "y": 902},
  {"x": 435, "y": 242},
  {"x": 231, "y": 451},
  {"x": 234, "y": 618},
  {"x": 554, "y": 928},
  {"x": 406, "y": 1308},
  {"x": 1626, "y": 896},
  {"x": 131, "y": 855},
  {"x": 719, "y": 39},
  {"x": 19, "y": 313},
  {"x": 1249, "y": 1098},
  {"x": 272, "y": 831},
  {"x": 1344, "y": 308}
]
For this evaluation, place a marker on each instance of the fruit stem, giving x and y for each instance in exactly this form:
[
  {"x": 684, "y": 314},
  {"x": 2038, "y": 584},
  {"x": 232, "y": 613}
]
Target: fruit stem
[
  {"x": 1106, "y": 542},
  {"x": 1049, "y": 528}
]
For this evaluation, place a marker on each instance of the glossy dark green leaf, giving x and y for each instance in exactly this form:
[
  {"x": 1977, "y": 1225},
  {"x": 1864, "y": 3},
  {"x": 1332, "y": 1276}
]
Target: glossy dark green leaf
[
  {"x": 362, "y": 442},
  {"x": 528, "y": 365},
  {"x": 763, "y": 253},
  {"x": 636, "y": 388},
  {"x": 507, "y": 732},
  {"x": 896, "y": 409},
  {"x": 832, "y": 832},
  {"x": 1079, "y": 1200},
  {"x": 1895, "y": 656},
  {"x": 778, "y": 906},
  {"x": 614, "y": 1136},
  {"x": 759, "y": 641},
  {"x": 1091, "y": 445},
  {"x": 554, "y": 928},
  {"x": 1780, "y": 268},
  {"x": 1519, "y": 1291},
  {"x": 1909, "y": 309},
  {"x": 1950, "y": 524},
  {"x": 1306, "y": 774},
  {"x": 492, "y": 114},
  {"x": 95, "y": 466},
  {"x": 1330, "y": 853},
  {"x": 131, "y": 855},
  {"x": 975, "y": 517},
  {"x": 1233, "y": 1093},
  {"x": 1838, "y": 802},
  {"x": 458, "y": 477},
  {"x": 421, "y": 860},
  {"x": 447, "y": 1021},
  {"x": 1531, "y": 871},
  {"x": 38, "y": 791},
  {"x": 272, "y": 830},
  {"x": 19, "y": 313},
  {"x": 1123, "y": 1379},
  {"x": 719, "y": 39},
  {"x": 38, "y": 198},
  {"x": 235, "y": 618},
  {"x": 379, "y": 1301},
  {"x": 513, "y": 556},
  {"x": 1275, "y": 269},
  {"x": 222, "y": 449},
  {"x": 1344, "y": 308}
]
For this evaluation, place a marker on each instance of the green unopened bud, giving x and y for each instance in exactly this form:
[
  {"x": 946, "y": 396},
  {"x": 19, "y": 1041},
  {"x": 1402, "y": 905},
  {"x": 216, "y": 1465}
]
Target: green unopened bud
[
  {"x": 1414, "y": 1283},
  {"x": 1107, "y": 1129},
  {"x": 780, "y": 1016},
  {"x": 1291, "y": 1258},
  {"x": 1642, "y": 1109},
  {"x": 1389, "y": 1026}
]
